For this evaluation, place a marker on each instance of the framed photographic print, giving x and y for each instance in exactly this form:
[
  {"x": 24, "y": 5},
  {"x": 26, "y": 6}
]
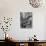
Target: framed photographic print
[
  {"x": 26, "y": 19},
  {"x": 36, "y": 3}
]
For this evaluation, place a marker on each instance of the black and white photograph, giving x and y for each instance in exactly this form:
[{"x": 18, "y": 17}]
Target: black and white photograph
[
  {"x": 35, "y": 3},
  {"x": 26, "y": 19}
]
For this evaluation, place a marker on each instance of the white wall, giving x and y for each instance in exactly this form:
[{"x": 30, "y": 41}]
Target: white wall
[{"x": 12, "y": 8}]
